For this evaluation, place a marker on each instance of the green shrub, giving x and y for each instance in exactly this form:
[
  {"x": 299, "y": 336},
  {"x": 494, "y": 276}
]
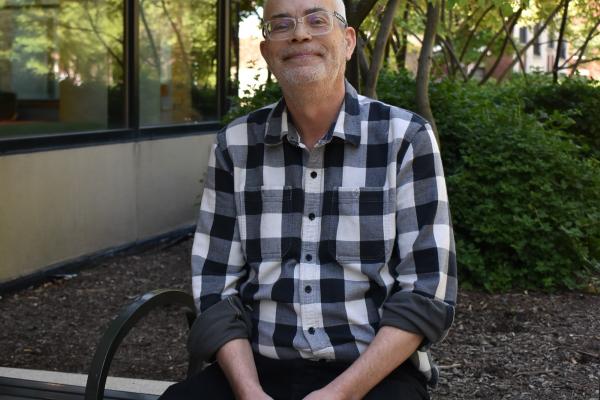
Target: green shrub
[
  {"x": 525, "y": 203},
  {"x": 576, "y": 98}
]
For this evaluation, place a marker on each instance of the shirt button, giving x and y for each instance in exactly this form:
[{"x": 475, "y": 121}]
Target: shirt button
[
  {"x": 308, "y": 289},
  {"x": 311, "y": 330},
  {"x": 311, "y": 216},
  {"x": 313, "y": 174},
  {"x": 308, "y": 257}
]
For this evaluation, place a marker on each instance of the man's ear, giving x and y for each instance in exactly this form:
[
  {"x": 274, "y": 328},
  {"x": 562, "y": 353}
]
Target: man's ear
[
  {"x": 350, "y": 42},
  {"x": 264, "y": 51}
]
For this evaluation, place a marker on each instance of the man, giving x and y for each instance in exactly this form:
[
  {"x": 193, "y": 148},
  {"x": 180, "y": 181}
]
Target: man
[{"x": 323, "y": 261}]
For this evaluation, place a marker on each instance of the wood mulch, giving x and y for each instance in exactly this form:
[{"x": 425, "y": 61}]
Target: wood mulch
[{"x": 502, "y": 346}]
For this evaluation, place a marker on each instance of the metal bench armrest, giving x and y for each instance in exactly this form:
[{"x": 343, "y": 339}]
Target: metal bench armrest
[{"x": 120, "y": 327}]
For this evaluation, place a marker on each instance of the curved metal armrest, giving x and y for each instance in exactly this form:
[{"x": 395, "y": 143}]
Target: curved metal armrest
[{"x": 120, "y": 327}]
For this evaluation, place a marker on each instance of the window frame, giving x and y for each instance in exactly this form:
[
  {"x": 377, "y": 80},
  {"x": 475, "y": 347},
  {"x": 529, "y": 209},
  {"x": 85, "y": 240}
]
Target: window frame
[{"x": 133, "y": 132}]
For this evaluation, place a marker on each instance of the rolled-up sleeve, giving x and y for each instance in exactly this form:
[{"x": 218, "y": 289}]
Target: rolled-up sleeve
[
  {"x": 424, "y": 294},
  {"x": 218, "y": 263}
]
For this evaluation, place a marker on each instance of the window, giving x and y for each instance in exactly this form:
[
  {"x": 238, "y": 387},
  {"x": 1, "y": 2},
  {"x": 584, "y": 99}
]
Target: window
[
  {"x": 537, "y": 48},
  {"x": 523, "y": 34},
  {"x": 177, "y": 61},
  {"x": 106, "y": 71},
  {"x": 562, "y": 49},
  {"x": 61, "y": 66},
  {"x": 551, "y": 40}
]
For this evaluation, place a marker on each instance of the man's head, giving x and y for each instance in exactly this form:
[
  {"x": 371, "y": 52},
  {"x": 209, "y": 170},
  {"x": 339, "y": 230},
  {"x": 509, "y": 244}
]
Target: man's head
[{"x": 306, "y": 55}]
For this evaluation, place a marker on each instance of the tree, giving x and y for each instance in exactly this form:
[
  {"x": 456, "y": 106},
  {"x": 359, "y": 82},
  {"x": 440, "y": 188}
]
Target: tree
[
  {"x": 424, "y": 67},
  {"x": 381, "y": 42}
]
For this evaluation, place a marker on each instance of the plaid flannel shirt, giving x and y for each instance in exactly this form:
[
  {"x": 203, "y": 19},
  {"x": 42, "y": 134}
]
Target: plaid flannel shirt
[{"x": 324, "y": 247}]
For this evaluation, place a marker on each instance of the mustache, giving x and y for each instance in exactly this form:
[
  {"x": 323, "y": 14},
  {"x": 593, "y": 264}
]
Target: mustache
[{"x": 294, "y": 51}]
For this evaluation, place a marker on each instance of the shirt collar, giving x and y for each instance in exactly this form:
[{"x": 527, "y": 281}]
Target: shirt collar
[{"x": 346, "y": 126}]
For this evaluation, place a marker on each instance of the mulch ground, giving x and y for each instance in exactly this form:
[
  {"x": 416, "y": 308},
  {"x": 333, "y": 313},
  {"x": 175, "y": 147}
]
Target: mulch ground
[{"x": 508, "y": 346}]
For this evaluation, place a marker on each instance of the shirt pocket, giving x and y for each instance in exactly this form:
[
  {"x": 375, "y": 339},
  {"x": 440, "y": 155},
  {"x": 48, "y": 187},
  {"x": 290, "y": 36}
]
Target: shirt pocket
[
  {"x": 364, "y": 224},
  {"x": 261, "y": 218}
]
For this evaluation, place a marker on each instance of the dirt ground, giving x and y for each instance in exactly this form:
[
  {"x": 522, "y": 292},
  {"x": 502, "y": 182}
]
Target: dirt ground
[{"x": 509, "y": 346}]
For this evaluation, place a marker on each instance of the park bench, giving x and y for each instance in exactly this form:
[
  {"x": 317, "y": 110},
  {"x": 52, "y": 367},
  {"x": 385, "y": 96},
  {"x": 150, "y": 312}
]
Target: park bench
[{"x": 120, "y": 326}]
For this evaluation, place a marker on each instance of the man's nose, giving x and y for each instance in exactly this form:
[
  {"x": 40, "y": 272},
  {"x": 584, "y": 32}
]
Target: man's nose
[{"x": 301, "y": 33}]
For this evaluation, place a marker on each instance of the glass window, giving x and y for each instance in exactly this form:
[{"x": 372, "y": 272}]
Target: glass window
[
  {"x": 523, "y": 34},
  {"x": 537, "y": 49},
  {"x": 178, "y": 61},
  {"x": 61, "y": 66}
]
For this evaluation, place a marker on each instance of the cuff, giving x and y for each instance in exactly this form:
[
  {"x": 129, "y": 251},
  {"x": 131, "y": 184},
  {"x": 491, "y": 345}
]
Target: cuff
[
  {"x": 221, "y": 323},
  {"x": 418, "y": 314}
]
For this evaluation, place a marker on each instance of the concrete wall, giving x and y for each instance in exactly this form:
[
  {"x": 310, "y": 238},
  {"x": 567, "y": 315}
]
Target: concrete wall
[{"x": 60, "y": 205}]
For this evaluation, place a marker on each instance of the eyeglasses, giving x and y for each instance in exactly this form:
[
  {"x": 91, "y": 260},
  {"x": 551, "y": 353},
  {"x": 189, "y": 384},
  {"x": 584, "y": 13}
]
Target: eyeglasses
[{"x": 316, "y": 23}]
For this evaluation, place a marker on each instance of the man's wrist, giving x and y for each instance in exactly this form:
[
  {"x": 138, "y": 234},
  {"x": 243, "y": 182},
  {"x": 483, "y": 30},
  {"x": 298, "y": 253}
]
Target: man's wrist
[
  {"x": 341, "y": 389},
  {"x": 251, "y": 391}
]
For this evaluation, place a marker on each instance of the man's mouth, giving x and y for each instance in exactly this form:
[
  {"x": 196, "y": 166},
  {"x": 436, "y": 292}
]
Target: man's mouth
[{"x": 298, "y": 55}]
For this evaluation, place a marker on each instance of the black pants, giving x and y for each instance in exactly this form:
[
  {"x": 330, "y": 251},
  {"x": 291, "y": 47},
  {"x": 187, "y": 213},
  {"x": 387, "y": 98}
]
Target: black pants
[{"x": 293, "y": 380}]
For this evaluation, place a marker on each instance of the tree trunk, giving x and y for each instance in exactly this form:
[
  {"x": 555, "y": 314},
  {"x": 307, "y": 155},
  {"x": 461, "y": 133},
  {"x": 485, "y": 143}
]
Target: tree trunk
[
  {"x": 401, "y": 56},
  {"x": 380, "y": 44},
  {"x": 560, "y": 43},
  {"x": 424, "y": 66},
  {"x": 356, "y": 12},
  {"x": 363, "y": 64}
]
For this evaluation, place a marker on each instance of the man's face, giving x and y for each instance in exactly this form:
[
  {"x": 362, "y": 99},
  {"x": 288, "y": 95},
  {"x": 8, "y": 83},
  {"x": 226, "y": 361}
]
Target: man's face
[{"x": 304, "y": 58}]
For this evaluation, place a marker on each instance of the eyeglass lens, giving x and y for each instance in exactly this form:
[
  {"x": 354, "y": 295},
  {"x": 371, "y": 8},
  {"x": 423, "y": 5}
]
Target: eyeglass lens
[{"x": 317, "y": 23}]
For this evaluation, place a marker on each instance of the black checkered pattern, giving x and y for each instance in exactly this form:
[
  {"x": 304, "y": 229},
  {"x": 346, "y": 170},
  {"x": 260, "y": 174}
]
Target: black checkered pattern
[{"x": 316, "y": 242}]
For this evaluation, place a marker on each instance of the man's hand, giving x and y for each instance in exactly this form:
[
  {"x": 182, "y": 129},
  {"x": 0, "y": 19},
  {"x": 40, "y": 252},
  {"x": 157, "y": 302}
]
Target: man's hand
[{"x": 390, "y": 348}]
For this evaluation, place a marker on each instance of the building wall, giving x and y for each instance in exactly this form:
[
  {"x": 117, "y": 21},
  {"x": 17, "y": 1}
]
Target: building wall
[
  {"x": 59, "y": 205},
  {"x": 544, "y": 61}
]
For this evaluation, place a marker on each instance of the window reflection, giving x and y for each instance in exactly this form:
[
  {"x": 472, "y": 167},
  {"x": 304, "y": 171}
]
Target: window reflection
[
  {"x": 178, "y": 61},
  {"x": 61, "y": 66}
]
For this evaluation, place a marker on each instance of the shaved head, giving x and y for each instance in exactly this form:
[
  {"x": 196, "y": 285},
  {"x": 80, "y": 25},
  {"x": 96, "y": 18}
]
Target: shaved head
[{"x": 339, "y": 7}]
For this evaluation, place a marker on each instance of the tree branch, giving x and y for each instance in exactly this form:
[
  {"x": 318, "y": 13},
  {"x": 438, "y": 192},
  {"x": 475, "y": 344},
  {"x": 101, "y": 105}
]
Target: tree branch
[
  {"x": 453, "y": 57},
  {"x": 472, "y": 33},
  {"x": 583, "y": 47},
  {"x": 533, "y": 39},
  {"x": 508, "y": 38},
  {"x": 155, "y": 55},
  {"x": 99, "y": 36},
  {"x": 485, "y": 51}
]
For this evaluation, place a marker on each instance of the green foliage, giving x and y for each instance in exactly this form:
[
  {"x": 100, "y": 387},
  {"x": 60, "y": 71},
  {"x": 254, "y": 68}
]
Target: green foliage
[
  {"x": 253, "y": 99},
  {"x": 525, "y": 203},
  {"x": 524, "y": 196},
  {"x": 576, "y": 98}
]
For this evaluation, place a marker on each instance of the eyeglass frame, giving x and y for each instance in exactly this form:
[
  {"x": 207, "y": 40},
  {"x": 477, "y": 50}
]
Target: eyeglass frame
[{"x": 298, "y": 20}]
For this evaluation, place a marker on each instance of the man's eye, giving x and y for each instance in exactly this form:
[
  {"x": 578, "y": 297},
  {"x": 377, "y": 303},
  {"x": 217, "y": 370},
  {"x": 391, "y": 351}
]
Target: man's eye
[
  {"x": 281, "y": 25},
  {"x": 318, "y": 20}
]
